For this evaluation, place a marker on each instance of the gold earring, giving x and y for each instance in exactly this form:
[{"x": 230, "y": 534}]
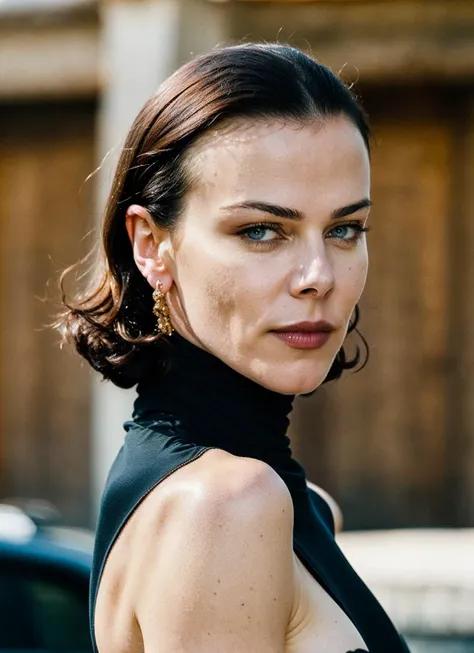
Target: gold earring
[{"x": 161, "y": 310}]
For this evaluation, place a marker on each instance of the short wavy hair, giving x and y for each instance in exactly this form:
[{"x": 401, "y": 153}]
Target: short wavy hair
[{"x": 111, "y": 322}]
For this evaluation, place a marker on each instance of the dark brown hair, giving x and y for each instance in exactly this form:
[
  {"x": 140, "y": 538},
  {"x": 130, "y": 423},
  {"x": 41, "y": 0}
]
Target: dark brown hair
[{"x": 111, "y": 323}]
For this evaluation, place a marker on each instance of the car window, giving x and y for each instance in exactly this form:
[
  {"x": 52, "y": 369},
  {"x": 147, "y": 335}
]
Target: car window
[{"x": 42, "y": 611}]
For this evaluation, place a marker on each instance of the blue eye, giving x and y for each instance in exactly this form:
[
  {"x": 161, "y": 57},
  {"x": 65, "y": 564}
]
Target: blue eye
[
  {"x": 341, "y": 232},
  {"x": 347, "y": 232},
  {"x": 257, "y": 233},
  {"x": 260, "y": 233}
]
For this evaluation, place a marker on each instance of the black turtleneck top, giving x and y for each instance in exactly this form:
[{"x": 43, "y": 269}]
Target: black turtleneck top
[{"x": 198, "y": 404}]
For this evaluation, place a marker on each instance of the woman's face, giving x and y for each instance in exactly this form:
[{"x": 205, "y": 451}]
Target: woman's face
[{"x": 271, "y": 237}]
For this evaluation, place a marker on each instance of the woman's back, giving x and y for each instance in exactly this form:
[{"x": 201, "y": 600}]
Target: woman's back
[
  {"x": 202, "y": 566},
  {"x": 207, "y": 563}
]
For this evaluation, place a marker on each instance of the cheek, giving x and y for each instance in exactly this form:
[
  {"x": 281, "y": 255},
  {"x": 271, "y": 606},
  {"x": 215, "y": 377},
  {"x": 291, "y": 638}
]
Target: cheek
[
  {"x": 352, "y": 280},
  {"x": 209, "y": 287},
  {"x": 219, "y": 290},
  {"x": 236, "y": 294},
  {"x": 219, "y": 283}
]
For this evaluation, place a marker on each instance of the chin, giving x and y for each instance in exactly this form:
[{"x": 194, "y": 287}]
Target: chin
[{"x": 298, "y": 381}]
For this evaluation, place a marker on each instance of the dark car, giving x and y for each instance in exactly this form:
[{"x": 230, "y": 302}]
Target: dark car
[{"x": 44, "y": 584}]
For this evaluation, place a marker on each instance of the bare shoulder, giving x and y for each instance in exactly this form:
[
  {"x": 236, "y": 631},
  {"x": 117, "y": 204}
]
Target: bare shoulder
[
  {"x": 218, "y": 483},
  {"x": 217, "y": 493},
  {"x": 217, "y": 542},
  {"x": 228, "y": 479}
]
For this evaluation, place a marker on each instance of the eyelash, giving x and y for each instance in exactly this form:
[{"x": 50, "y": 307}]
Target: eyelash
[
  {"x": 271, "y": 226},
  {"x": 243, "y": 233},
  {"x": 355, "y": 225}
]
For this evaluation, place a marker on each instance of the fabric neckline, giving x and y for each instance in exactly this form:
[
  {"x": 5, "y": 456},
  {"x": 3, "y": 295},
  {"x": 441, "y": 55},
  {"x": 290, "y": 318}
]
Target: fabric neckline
[{"x": 216, "y": 406}]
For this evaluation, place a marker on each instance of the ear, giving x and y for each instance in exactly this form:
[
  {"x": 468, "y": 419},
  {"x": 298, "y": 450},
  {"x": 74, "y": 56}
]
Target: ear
[{"x": 150, "y": 246}]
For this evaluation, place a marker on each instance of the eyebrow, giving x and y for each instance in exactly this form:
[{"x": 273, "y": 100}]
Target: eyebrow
[{"x": 293, "y": 214}]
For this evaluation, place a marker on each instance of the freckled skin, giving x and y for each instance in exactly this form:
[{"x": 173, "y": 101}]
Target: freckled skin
[{"x": 228, "y": 294}]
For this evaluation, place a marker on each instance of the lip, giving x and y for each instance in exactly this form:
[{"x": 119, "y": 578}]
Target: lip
[
  {"x": 321, "y": 326},
  {"x": 305, "y": 335}
]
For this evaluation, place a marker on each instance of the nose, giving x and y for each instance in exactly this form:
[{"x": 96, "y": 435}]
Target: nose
[{"x": 314, "y": 276}]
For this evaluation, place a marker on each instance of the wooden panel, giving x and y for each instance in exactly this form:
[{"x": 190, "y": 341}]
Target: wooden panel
[
  {"x": 461, "y": 398},
  {"x": 402, "y": 39},
  {"x": 49, "y": 62},
  {"x": 45, "y": 156},
  {"x": 50, "y": 12},
  {"x": 384, "y": 431},
  {"x": 295, "y": 2}
]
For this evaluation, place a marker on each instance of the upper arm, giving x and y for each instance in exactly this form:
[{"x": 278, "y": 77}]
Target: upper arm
[
  {"x": 218, "y": 572},
  {"x": 333, "y": 506}
]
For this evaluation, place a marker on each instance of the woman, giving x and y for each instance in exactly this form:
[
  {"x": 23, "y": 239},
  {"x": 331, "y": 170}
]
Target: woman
[{"x": 235, "y": 256}]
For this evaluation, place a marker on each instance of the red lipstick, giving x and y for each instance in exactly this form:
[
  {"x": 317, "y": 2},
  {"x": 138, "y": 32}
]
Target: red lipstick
[{"x": 305, "y": 335}]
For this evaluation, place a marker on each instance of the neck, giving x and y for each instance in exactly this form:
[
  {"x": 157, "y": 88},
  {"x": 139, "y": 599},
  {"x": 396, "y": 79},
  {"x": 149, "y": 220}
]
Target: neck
[{"x": 218, "y": 407}]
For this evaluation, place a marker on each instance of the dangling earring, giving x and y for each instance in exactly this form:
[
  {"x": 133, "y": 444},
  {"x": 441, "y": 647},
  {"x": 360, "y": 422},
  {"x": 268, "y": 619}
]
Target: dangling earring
[{"x": 161, "y": 310}]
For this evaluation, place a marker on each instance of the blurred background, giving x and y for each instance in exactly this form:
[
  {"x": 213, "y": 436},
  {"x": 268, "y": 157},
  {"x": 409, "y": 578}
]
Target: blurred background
[{"x": 393, "y": 444}]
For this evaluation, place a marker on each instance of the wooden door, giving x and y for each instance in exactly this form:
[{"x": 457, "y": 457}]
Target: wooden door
[
  {"x": 46, "y": 153},
  {"x": 384, "y": 440}
]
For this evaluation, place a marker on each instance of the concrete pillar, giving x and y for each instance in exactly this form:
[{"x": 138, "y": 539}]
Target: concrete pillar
[{"x": 142, "y": 43}]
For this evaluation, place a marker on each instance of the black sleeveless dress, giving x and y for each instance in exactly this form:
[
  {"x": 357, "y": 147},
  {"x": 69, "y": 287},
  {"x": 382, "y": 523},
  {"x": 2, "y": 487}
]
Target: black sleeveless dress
[{"x": 199, "y": 404}]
